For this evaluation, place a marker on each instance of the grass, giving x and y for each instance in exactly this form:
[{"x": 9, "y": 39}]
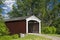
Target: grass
[
  {"x": 57, "y": 35},
  {"x": 9, "y": 37},
  {"x": 33, "y": 37},
  {"x": 5, "y": 37}
]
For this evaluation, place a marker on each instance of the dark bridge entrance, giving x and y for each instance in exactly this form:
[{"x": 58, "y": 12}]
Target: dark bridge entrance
[{"x": 33, "y": 26}]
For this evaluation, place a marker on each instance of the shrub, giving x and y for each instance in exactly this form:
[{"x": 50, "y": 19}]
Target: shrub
[
  {"x": 53, "y": 30},
  {"x": 49, "y": 30},
  {"x": 3, "y": 29},
  {"x": 15, "y": 36},
  {"x": 8, "y": 37},
  {"x": 5, "y": 38}
]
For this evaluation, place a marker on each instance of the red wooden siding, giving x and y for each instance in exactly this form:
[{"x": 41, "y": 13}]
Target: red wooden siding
[{"x": 16, "y": 27}]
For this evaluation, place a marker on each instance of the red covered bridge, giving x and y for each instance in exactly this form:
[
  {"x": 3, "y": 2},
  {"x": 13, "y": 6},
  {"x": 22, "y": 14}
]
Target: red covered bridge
[{"x": 28, "y": 24}]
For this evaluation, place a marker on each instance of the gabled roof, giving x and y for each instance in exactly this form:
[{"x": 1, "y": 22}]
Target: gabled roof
[
  {"x": 18, "y": 18},
  {"x": 21, "y": 18}
]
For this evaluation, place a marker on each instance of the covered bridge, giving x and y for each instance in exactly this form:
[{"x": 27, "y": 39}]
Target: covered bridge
[{"x": 28, "y": 24}]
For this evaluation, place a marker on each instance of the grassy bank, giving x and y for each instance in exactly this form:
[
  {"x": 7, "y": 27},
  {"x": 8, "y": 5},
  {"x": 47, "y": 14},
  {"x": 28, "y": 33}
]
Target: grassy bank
[
  {"x": 27, "y": 37},
  {"x": 57, "y": 35},
  {"x": 33, "y": 37}
]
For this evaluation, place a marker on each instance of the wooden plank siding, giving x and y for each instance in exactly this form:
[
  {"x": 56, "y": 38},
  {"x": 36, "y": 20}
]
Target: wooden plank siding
[{"x": 16, "y": 27}]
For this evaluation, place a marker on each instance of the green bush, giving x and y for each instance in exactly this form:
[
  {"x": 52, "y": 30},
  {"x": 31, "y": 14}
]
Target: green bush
[
  {"x": 15, "y": 36},
  {"x": 49, "y": 30},
  {"x": 8, "y": 37},
  {"x": 3, "y": 29},
  {"x": 58, "y": 30},
  {"x": 5, "y": 37}
]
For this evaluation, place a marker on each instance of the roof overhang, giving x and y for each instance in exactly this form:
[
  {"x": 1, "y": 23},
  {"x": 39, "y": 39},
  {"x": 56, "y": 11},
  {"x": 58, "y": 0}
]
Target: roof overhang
[{"x": 27, "y": 18}]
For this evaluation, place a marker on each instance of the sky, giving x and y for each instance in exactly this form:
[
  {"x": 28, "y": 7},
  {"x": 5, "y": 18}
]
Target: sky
[{"x": 7, "y": 7}]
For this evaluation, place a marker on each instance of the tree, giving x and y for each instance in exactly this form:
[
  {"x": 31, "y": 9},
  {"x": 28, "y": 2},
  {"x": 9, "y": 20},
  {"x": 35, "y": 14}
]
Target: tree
[
  {"x": 29, "y": 7},
  {"x": 0, "y": 7},
  {"x": 54, "y": 16},
  {"x": 3, "y": 28},
  {"x": 56, "y": 22},
  {"x": 14, "y": 13}
]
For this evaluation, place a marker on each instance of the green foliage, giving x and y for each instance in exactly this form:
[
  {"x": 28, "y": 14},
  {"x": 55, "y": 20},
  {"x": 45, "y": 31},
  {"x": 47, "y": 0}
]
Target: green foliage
[
  {"x": 0, "y": 10},
  {"x": 15, "y": 36},
  {"x": 27, "y": 37},
  {"x": 49, "y": 30},
  {"x": 3, "y": 29},
  {"x": 57, "y": 25},
  {"x": 5, "y": 37},
  {"x": 0, "y": 7},
  {"x": 29, "y": 7},
  {"x": 9, "y": 37},
  {"x": 0, "y": 2}
]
